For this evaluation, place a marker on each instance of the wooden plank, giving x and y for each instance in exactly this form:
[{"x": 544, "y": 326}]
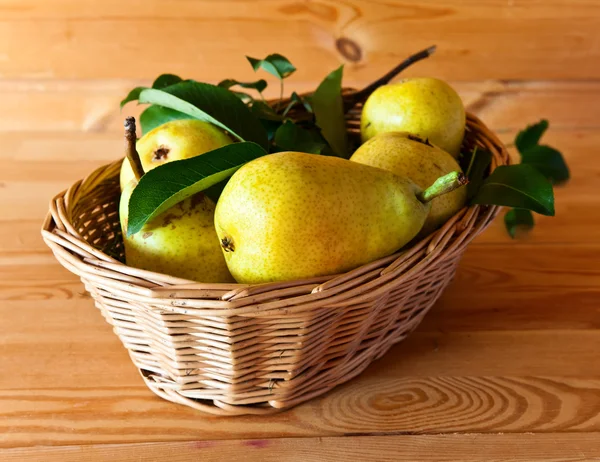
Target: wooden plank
[
  {"x": 113, "y": 41},
  {"x": 79, "y": 386},
  {"x": 38, "y": 166},
  {"x": 515, "y": 287},
  {"x": 497, "y": 287},
  {"x": 370, "y": 404},
  {"x": 562, "y": 447},
  {"x": 93, "y": 105}
]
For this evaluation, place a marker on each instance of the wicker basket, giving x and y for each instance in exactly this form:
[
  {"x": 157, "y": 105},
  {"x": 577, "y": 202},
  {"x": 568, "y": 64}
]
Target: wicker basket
[{"x": 232, "y": 349}]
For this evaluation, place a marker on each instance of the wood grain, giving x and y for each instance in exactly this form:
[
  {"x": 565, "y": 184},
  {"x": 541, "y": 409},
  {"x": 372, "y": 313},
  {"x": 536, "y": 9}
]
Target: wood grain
[
  {"x": 80, "y": 387},
  {"x": 557, "y": 447},
  {"x": 504, "y": 367},
  {"x": 92, "y": 106},
  {"x": 38, "y": 165},
  {"x": 370, "y": 405},
  {"x": 524, "y": 40}
]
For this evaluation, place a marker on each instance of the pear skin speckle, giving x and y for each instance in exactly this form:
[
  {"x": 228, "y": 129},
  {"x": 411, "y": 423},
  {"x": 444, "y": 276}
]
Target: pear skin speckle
[
  {"x": 293, "y": 215},
  {"x": 181, "y": 242},
  {"x": 402, "y": 154},
  {"x": 175, "y": 140},
  {"x": 427, "y": 107}
]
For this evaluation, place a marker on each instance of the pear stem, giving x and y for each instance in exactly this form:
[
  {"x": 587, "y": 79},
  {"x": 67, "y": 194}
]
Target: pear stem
[
  {"x": 361, "y": 95},
  {"x": 443, "y": 185},
  {"x": 130, "y": 150}
]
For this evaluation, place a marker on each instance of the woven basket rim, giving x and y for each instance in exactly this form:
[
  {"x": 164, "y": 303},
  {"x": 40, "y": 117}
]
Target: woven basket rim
[
  {"x": 234, "y": 349},
  {"x": 229, "y": 298}
]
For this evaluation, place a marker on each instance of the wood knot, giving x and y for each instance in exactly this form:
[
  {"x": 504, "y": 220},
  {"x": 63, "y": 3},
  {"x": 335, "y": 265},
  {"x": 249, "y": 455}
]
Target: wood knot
[{"x": 349, "y": 49}]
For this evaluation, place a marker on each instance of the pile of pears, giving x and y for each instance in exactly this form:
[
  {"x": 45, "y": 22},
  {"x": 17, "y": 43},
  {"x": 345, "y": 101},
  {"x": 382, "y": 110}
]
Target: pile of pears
[{"x": 293, "y": 215}]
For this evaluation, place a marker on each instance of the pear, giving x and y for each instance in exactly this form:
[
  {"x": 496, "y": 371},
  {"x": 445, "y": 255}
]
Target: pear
[
  {"x": 410, "y": 156},
  {"x": 293, "y": 215},
  {"x": 426, "y": 107},
  {"x": 174, "y": 140},
  {"x": 126, "y": 175},
  {"x": 181, "y": 241}
]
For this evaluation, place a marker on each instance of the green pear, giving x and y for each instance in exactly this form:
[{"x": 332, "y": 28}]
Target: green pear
[
  {"x": 408, "y": 155},
  {"x": 181, "y": 241},
  {"x": 174, "y": 140},
  {"x": 426, "y": 107},
  {"x": 293, "y": 215}
]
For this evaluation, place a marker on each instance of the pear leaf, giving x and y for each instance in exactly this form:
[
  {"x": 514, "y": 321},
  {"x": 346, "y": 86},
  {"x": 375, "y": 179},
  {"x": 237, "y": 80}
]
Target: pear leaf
[
  {"x": 244, "y": 97},
  {"x": 548, "y": 161},
  {"x": 263, "y": 111},
  {"x": 291, "y": 137},
  {"x": 531, "y": 135},
  {"x": 166, "y": 80},
  {"x": 516, "y": 219},
  {"x": 328, "y": 107},
  {"x": 161, "y": 81},
  {"x": 133, "y": 95},
  {"x": 275, "y": 64},
  {"x": 164, "y": 186},
  {"x": 153, "y": 116},
  {"x": 212, "y": 104},
  {"x": 476, "y": 164},
  {"x": 520, "y": 186},
  {"x": 259, "y": 85},
  {"x": 296, "y": 99}
]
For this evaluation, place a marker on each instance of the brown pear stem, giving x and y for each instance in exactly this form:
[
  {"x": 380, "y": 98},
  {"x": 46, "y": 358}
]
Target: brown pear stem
[
  {"x": 443, "y": 185},
  {"x": 130, "y": 150},
  {"x": 361, "y": 95}
]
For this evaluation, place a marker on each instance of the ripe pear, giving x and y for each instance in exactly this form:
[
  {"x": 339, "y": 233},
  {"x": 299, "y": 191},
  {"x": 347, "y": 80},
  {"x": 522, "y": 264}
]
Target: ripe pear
[
  {"x": 174, "y": 140},
  {"x": 126, "y": 175},
  {"x": 426, "y": 107},
  {"x": 181, "y": 241},
  {"x": 410, "y": 156},
  {"x": 293, "y": 215}
]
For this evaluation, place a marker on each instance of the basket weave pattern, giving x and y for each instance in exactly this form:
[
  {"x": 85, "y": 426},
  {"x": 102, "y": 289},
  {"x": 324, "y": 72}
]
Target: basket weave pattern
[{"x": 232, "y": 349}]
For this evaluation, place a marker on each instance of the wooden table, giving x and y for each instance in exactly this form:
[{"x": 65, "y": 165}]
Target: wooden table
[{"x": 505, "y": 366}]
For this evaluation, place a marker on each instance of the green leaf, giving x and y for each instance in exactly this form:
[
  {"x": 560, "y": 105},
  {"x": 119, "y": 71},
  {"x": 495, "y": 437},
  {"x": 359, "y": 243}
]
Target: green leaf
[
  {"x": 244, "y": 97},
  {"x": 263, "y": 111},
  {"x": 295, "y": 99},
  {"x": 153, "y": 116},
  {"x": 212, "y": 104},
  {"x": 132, "y": 96},
  {"x": 520, "y": 186},
  {"x": 291, "y": 137},
  {"x": 274, "y": 64},
  {"x": 166, "y": 80},
  {"x": 548, "y": 161},
  {"x": 518, "y": 219},
  {"x": 329, "y": 112},
  {"x": 530, "y": 136},
  {"x": 259, "y": 85},
  {"x": 304, "y": 101},
  {"x": 166, "y": 185},
  {"x": 161, "y": 81},
  {"x": 476, "y": 164}
]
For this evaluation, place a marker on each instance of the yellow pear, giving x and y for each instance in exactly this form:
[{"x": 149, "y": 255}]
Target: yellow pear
[
  {"x": 126, "y": 175},
  {"x": 293, "y": 215},
  {"x": 174, "y": 140},
  {"x": 410, "y": 156},
  {"x": 427, "y": 107},
  {"x": 181, "y": 241}
]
